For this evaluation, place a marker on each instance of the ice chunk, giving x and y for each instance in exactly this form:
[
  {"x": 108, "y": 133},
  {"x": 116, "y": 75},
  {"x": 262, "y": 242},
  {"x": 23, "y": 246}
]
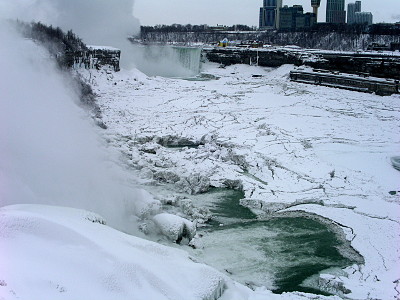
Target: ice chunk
[
  {"x": 175, "y": 227},
  {"x": 194, "y": 184}
]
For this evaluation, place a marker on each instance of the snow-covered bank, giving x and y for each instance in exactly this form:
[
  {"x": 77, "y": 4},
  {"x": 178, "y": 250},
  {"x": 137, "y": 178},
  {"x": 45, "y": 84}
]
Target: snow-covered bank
[
  {"x": 63, "y": 253},
  {"x": 287, "y": 145}
]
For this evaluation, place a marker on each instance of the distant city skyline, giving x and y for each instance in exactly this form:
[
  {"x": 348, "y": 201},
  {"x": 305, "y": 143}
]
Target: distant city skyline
[{"x": 230, "y": 12}]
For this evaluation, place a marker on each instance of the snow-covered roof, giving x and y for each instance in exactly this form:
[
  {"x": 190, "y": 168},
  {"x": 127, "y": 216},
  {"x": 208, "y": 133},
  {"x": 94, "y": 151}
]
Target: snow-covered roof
[{"x": 108, "y": 48}]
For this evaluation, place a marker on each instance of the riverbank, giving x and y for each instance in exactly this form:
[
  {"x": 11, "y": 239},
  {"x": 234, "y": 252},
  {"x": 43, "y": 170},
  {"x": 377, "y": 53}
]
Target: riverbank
[
  {"x": 287, "y": 145},
  {"x": 316, "y": 40},
  {"x": 372, "y": 63}
]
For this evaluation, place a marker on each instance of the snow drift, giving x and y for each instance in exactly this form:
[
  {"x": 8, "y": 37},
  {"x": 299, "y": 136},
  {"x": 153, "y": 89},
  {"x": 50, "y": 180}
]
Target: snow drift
[{"x": 72, "y": 255}]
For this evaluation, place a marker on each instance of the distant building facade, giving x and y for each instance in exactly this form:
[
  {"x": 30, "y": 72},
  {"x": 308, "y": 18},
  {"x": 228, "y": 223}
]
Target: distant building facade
[
  {"x": 307, "y": 21},
  {"x": 293, "y": 18},
  {"x": 269, "y": 14},
  {"x": 363, "y": 18},
  {"x": 352, "y": 8},
  {"x": 335, "y": 12},
  {"x": 356, "y": 16}
]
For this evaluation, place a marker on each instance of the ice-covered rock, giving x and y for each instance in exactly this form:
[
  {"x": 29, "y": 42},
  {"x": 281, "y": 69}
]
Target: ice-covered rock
[
  {"x": 194, "y": 184},
  {"x": 150, "y": 148},
  {"x": 196, "y": 242},
  {"x": 174, "y": 227},
  {"x": 198, "y": 214},
  {"x": 176, "y": 141},
  {"x": 166, "y": 176},
  {"x": 332, "y": 284}
]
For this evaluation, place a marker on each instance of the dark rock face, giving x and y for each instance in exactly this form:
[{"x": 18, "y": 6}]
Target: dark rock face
[
  {"x": 373, "y": 64},
  {"x": 252, "y": 56},
  {"x": 93, "y": 58}
]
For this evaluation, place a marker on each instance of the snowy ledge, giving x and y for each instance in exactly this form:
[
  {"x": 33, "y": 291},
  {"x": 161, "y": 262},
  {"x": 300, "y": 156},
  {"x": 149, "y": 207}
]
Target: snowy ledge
[
  {"x": 104, "y": 48},
  {"x": 73, "y": 256}
]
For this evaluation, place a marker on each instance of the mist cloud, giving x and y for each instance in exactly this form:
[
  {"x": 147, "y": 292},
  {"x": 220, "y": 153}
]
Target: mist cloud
[
  {"x": 396, "y": 17},
  {"x": 50, "y": 152},
  {"x": 97, "y": 22}
]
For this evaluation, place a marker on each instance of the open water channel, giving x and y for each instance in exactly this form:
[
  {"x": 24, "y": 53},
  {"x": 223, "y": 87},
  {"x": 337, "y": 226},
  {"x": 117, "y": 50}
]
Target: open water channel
[{"x": 279, "y": 252}]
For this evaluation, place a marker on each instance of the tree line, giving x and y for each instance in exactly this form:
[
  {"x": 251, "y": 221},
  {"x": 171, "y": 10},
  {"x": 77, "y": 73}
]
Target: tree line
[
  {"x": 61, "y": 45},
  {"x": 374, "y": 29},
  {"x": 194, "y": 28}
]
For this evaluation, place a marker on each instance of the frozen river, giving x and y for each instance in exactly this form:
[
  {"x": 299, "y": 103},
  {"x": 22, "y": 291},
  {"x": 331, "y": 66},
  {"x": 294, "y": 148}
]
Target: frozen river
[{"x": 293, "y": 149}]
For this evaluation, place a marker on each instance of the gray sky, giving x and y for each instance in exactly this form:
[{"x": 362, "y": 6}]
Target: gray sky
[{"x": 229, "y": 12}]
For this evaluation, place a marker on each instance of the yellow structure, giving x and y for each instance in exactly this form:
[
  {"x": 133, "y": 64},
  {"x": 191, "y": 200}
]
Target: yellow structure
[{"x": 223, "y": 43}]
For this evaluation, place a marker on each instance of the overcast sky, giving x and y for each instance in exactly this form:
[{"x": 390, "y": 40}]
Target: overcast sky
[{"x": 229, "y": 12}]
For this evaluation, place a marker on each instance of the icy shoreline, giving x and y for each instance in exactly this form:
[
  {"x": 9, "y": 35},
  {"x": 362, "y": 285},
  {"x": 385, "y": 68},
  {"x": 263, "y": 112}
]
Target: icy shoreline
[{"x": 288, "y": 146}]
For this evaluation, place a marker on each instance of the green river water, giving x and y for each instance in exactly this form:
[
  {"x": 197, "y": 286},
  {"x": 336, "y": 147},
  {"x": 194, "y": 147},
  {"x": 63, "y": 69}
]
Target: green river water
[{"x": 280, "y": 252}]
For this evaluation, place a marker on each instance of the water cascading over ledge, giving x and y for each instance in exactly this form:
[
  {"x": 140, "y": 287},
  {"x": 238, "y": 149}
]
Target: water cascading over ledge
[
  {"x": 168, "y": 61},
  {"x": 188, "y": 57}
]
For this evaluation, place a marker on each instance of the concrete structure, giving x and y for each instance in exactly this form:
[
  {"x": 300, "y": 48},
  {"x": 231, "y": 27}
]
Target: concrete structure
[
  {"x": 335, "y": 12},
  {"x": 315, "y": 5},
  {"x": 363, "y": 18},
  {"x": 352, "y": 8},
  {"x": 293, "y": 18},
  {"x": 269, "y": 14},
  {"x": 379, "y": 86}
]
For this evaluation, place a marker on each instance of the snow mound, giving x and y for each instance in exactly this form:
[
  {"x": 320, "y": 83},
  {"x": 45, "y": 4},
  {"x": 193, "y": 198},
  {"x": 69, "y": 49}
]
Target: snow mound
[
  {"x": 175, "y": 227},
  {"x": 61, "y": 253}
]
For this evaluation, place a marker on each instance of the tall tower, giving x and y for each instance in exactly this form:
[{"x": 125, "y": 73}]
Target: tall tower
[{"x": 315, "y": 5}]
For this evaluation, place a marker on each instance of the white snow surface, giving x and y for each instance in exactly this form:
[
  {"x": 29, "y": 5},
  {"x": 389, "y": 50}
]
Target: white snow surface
[
  {"x": 107, "y": 48},
  {"x": 290, "y": 146},
  {"x": 51, "y": 154},
  {"x": 55, "y": 253},
  {"x": 64, "y": 253}
]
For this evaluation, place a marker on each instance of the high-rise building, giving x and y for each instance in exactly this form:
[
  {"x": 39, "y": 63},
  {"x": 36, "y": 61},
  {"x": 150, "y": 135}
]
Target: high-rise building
[
  {"x": 269, "y": 14},
  {"x": 352, "y": 9},
  {"x": 356, "y": 16},
  {"x": 335, "y": 12},
  {"x": 315, "y": 5},
  {"x": 293, "y": 18},
  {"x": 288, "y": 15},
  {"x": 363, "y": 18}
]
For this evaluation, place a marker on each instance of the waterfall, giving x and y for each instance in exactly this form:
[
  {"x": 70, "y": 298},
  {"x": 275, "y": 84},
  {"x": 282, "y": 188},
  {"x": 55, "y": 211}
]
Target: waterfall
[
  {"x": 188, "y": 57},
  {"x": 168, "y": 61}
]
